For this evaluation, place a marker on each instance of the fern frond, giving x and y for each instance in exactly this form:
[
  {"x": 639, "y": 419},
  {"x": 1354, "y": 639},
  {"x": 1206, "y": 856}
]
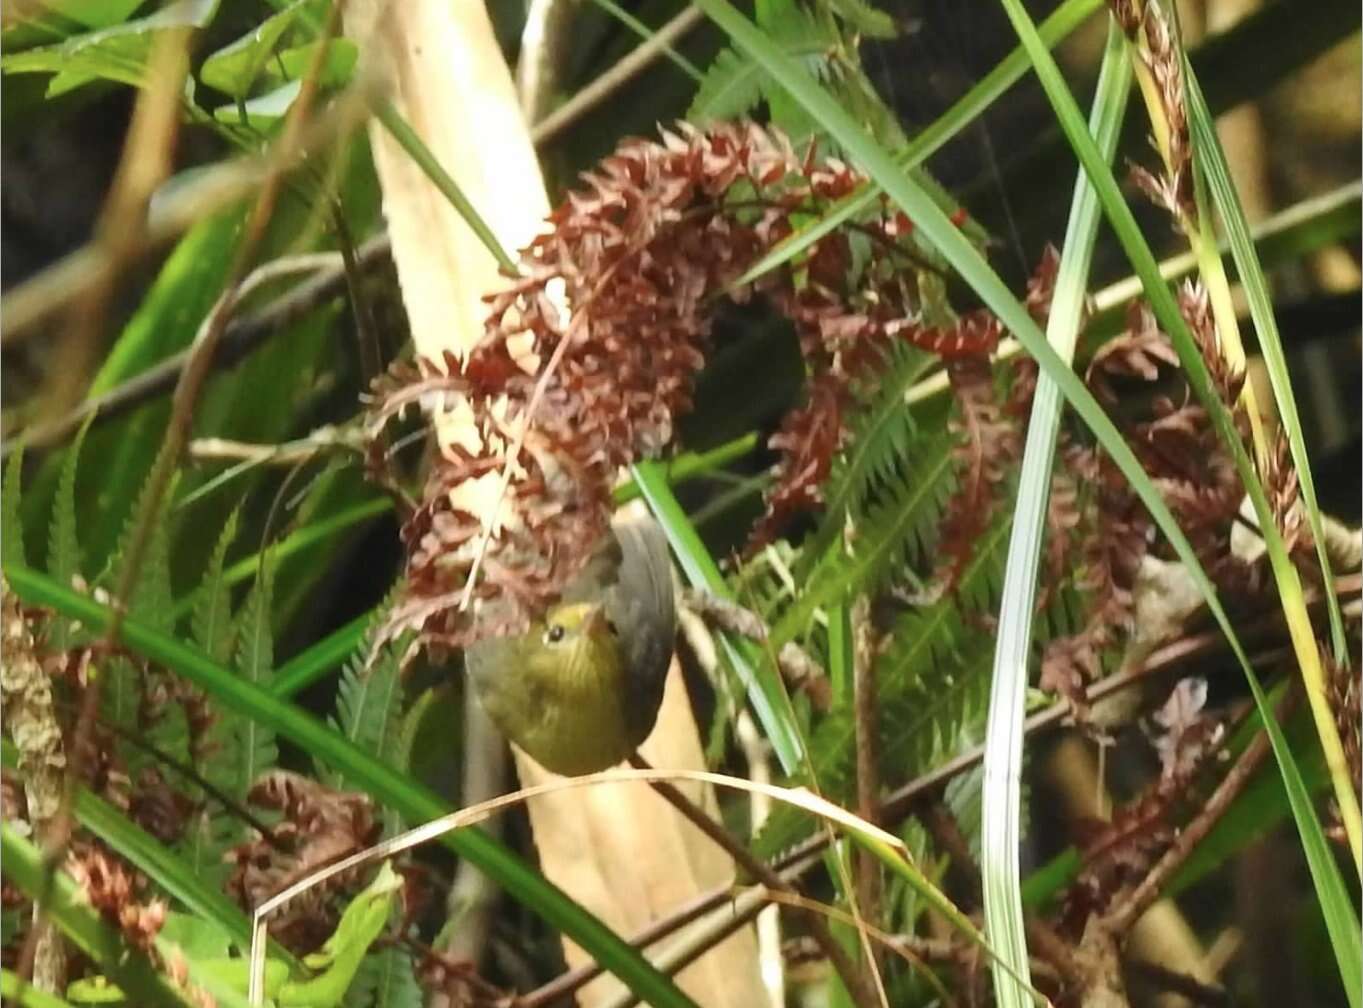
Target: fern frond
[
  {"x": 735, "y": 85},
  {"x": 931, "y": 683},
  {"x": 63, "y": 545},
  {"x": 864, "y": 18},
  {"x": 11, "y": 526},
  {"x": 211, "y": 621},
  {"x": 894, "y": 534},
  {"x": 369, "y": 707},
  {"x": 880, "y": 441},
  {"x": 150, "y": 600},
  {"x": 385, "y": 979},
  {"x": 256, "y": 750}
]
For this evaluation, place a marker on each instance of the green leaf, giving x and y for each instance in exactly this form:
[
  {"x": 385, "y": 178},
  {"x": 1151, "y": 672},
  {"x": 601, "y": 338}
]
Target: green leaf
[
  {"x": 94, "y": 13},
  {"x": 337, "y": 67},
  {"x": 864, "y": 18},
  {"x": 234, "y": 68},
  {"x": 389, "y": 786},
  {"x": 16, "y": 991},
  {"x": 11, "y": 521},
  {"x": 386, "y": 979},
  {"x": 117, "y": 53},
  {"x": 263, "y": 112}
]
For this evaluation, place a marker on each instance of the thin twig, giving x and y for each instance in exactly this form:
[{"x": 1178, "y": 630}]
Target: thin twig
[
  {"x": 1181, "y": 983},
  {"x": 853, "y": 978},
  {"x": 795, "y": 664},
  {"x": 1126, "y": 913},
  {"x": 616, "y": 77},
  {"x": 867, "y": 726},
  {"x": 240, "y": 338}
]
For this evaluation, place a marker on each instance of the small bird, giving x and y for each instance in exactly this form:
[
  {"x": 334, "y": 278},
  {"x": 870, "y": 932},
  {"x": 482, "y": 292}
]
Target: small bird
[{"x": 580, "y": 690}]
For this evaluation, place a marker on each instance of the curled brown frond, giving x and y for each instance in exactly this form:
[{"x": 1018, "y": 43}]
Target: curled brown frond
[
  {"x": 318, "y": 826},
  {"x": 589, "y": 355}
]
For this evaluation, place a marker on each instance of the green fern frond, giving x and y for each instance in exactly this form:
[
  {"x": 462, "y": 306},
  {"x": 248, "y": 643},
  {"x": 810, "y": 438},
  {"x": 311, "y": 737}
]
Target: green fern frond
[
  {"x": 369, "y": 706},
  {"x": 211, "y": 621},
  {"x": 880, "y": 441},
  {"x": 864, "y": 18},
  {"x": 11, "y": 526},
  {"x": 255, "y": 748},
  {"x": 150, "y": 600},
  {"x": 63, "y": 548},
  {"x": 894, "y": 534},
  {"x": 735, "y": 85},
  {"x": 931, "y": 683}
]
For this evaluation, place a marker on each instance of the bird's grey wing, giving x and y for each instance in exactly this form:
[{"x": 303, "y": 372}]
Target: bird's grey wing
[{"x": 643, "y": 608}]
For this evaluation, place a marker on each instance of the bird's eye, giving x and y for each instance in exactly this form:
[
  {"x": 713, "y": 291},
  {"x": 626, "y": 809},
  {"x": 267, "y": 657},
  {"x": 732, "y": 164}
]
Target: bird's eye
[
  {"x": 554, "y": 634},
  {"x": 614, "y": 630}
]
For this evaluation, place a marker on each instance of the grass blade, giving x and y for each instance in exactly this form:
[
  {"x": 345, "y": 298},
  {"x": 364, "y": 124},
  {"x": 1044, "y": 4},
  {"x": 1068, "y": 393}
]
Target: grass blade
[
  {"x": 1341, "y": 920},
  {"x": 1007, "y": 703},
  {"x": 964, "y": 112},
  {"x": 766, "y": 690},
  {"x": 71, "y": 912}
]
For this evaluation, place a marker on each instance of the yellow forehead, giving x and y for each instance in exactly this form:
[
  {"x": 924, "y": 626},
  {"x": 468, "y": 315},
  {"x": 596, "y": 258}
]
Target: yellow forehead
[{"x": 571, "y": 617}]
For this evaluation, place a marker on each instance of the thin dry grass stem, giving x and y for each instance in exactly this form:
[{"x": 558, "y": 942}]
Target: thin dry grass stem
[
  {"x": 326, "y": 282},
  {"x": 867, "y": 726},
  {"x": 475, "y": 814},
  {"x": 852, "y": 977},
  {"x": 147, "y": 156},
  {"x": 905, "y": 948},
  {"x": 743, "y": 909},
  {"x": 617, "y": 76}
]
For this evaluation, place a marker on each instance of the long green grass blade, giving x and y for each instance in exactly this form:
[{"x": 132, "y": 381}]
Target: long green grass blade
[
  {"x": 1341, "y": 920},
  {"x": 1212, "y": 160},
  {"x": 417, "y": 150},
  {"x": 766, "y": 690},
  {"x": 385, "y": 783},
  {"x": 1000, "y": 843},
  {"x": 72, "y": 913},
  {"x": 964, "y": 112}
]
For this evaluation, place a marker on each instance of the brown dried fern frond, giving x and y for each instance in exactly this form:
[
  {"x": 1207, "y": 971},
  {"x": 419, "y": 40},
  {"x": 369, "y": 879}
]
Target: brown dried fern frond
[{"x": 589, "y": 356}]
